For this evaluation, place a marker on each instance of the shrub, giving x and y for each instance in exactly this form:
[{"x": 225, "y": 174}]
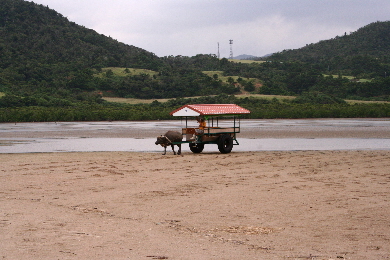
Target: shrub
[{"x": 317, "y": 98}]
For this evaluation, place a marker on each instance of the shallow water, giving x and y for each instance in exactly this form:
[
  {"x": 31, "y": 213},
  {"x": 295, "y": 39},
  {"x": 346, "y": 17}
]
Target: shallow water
[
  {"x": 275, "y": 124},
  {"x": 78, "y": 143},
  {"x": 41, "y": 145}
]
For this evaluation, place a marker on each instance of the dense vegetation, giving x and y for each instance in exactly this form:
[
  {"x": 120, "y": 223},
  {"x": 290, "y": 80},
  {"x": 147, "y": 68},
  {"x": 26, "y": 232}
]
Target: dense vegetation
[
  {"x": 364, "y": 53},
  {"x": 44, "y": 54},
  {"x": 52, "y": 69},
  {"x": 260, "y": 108}
]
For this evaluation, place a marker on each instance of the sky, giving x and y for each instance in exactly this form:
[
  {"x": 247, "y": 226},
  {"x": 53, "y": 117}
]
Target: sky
[{"x": 191, "y": 27}]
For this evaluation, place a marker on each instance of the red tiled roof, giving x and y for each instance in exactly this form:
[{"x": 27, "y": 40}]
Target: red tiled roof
[{"x": 209, "y": 109}]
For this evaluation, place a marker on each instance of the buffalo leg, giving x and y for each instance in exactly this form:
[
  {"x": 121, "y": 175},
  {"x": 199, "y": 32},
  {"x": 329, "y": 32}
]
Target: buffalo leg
[
  {"x": 179, "y": 152},
  {"x": 165, "y": 150},
  {"x": 173, "y": 149}
]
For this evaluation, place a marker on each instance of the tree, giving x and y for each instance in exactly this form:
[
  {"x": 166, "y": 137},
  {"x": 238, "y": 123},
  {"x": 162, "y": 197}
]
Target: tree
[{"x": 249, "y": 86}]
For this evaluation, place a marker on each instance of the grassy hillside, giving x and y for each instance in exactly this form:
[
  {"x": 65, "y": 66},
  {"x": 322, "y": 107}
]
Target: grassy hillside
[
  {"x": 164, "y": 100},
  {"x": 223, "y": 77},
  {"x": 123, "y": 72},
  {"x": 277, "y": 98}
]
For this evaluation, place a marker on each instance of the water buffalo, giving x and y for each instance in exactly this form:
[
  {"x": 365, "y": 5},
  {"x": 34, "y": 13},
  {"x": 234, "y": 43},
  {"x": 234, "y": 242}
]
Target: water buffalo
[{"x": 169, "y": 138}]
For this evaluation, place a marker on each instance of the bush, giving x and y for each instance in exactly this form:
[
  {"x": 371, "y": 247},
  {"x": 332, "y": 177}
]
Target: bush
[{"x": 317, "y": 98}]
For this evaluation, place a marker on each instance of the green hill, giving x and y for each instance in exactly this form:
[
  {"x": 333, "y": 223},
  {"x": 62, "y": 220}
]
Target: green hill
[
  {"x": 371, "y": 40},
  {"x": 49, "y": 65},
  {"x": 35, "y": 33},
  {"x": 42, "y": 53},
  {"x": 40, "y": 50},
  {"x": 365, "y": 51}
]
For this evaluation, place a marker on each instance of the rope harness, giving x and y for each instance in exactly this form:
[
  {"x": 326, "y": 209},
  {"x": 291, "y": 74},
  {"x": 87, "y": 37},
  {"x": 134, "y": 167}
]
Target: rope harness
[{"x": 169, "y": 141}]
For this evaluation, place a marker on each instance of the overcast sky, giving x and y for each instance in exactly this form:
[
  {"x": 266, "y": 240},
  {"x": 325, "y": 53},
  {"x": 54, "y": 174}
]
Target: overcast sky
[{"x": 190, "y": 27}]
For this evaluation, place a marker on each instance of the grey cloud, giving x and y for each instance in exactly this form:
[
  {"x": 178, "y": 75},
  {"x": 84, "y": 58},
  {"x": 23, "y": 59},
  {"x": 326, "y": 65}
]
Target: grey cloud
[{"x": 177, "y": 27}]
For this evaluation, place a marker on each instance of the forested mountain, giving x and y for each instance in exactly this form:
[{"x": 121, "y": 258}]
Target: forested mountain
[
  {"x": 35, "y": 33},
  {"x": 365, "y": 51},
  {"x": 39, "y": 48},
  {"x": 48, "y": 61},
  {"x": 44, "y": 54}
]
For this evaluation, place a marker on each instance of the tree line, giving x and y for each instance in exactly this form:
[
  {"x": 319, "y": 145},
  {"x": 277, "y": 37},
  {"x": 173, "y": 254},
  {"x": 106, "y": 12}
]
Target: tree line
[{"x": 313, "y": 107}]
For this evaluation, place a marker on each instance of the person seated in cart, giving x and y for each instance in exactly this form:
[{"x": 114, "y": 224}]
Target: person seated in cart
[
  {"x": 202, "y": 125},
  {"x": 202, "y": 122}
]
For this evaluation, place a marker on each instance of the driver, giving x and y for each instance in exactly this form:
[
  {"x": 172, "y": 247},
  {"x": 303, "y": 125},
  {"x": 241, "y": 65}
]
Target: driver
[{"x": 202, "y": 122}]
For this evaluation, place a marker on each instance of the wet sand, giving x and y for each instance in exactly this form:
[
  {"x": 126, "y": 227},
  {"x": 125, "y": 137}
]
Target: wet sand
[
  {"x": 273, "y": 128},
  {"x": 242, "y": 205}
]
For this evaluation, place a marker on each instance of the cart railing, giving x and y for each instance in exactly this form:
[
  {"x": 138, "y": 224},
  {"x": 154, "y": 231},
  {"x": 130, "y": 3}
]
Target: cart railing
[
  {"x": 189, "y": 132},
  {"x": 210, "y": 130}
]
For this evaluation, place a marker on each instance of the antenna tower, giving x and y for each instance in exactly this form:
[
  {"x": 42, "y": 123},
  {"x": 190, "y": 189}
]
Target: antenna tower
[
  {"x": 218, "y": 50},
  {"x": 231, "y": 49}
]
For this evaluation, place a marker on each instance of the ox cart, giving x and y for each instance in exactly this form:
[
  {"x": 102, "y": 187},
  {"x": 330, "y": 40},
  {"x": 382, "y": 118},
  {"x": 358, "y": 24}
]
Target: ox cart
[{"x": 218, "y": 124}]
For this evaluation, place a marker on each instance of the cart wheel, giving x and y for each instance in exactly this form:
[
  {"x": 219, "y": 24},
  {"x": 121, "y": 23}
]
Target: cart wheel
[
  {"x": 196, "y": 148},
  {"x": 225, "y": 144}
]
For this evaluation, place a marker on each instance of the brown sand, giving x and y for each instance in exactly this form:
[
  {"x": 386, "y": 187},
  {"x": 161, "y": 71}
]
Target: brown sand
[{"x": 242, "y": 205}]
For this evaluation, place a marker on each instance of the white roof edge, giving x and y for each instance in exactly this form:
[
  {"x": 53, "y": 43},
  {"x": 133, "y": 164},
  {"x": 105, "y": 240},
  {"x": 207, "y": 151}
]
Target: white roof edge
[{"x": 186, "y": 112}]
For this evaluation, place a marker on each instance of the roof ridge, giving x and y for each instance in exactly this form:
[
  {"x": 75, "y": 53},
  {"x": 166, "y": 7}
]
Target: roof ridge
[{"x": 209, "y": 109}]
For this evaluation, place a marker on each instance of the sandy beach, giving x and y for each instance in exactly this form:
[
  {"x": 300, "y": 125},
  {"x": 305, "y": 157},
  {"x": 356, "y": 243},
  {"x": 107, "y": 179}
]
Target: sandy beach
[{"x": 242, "y": 205}]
